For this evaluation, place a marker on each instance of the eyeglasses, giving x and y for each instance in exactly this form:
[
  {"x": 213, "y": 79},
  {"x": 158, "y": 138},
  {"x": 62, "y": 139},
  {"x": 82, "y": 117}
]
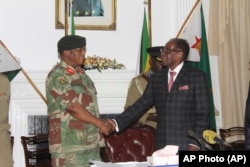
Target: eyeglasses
[{"x": 169, "y": 51}]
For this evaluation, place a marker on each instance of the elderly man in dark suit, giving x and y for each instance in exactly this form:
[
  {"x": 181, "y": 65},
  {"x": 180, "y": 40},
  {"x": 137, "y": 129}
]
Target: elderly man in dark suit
[{"x": 180, "y": 109}]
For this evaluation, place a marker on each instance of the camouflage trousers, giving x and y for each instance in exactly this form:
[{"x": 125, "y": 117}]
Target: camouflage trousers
[{"x": 76, "y": 159}]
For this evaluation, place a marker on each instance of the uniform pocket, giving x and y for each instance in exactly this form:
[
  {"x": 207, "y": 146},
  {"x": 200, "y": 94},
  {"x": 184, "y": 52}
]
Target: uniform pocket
[{"x": 75, "y": 133}]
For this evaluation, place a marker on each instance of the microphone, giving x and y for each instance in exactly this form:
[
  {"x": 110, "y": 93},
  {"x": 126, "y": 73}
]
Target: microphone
[
  {"x": 211, "y": 137},
  {"x": 201, "y": 142}
]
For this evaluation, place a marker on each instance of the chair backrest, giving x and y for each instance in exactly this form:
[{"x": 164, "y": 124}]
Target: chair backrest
[
  {"x": 234, "y": 136},
  {"x": 36, "y": 150},
  {"x": 133, "y": 144}
]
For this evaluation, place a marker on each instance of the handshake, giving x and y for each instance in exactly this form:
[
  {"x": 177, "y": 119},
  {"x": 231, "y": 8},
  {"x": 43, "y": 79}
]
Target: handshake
[{"x": 107, "y": 126}]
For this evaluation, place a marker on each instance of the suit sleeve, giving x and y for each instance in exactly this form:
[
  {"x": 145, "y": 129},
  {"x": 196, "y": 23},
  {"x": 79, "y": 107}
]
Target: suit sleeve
[
  {"x": 133, "y": 93},
  {"x": 202, "y": 108},
  {"x": 136, "y": 110},
  {"x": 247, "y": 120}
]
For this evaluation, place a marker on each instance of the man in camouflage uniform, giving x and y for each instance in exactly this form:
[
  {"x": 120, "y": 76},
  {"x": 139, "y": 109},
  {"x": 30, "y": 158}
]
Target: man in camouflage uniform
[
  {"x": 138, "y": 84},
  {"x": 5, "y": 144},
  {"x": 74, "y": 124}
]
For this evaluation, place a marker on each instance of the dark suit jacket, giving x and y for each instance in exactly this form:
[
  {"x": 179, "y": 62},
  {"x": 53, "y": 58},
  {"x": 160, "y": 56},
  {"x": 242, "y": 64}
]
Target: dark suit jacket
[
  {"x": 184, "y": 108},
  {"x": 247, "y": 120}
]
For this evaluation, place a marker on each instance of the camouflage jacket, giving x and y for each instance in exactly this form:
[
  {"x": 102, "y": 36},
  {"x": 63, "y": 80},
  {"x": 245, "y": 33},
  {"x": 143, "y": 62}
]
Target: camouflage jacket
[{"x": 65, "y": 85}]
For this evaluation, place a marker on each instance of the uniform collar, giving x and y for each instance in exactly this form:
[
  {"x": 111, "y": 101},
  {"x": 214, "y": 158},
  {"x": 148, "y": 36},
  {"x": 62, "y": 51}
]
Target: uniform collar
[{"x": 71, "y": 70}]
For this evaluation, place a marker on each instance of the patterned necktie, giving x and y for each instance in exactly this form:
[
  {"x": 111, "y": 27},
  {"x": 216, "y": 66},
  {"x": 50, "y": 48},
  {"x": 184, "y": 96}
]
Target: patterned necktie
[{"x": 171, "y": 80}]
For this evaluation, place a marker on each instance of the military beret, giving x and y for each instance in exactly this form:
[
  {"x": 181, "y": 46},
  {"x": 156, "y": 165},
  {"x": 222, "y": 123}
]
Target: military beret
[
  {"x": 71, "y": 42},
  {"x": 155, "y": 51}
]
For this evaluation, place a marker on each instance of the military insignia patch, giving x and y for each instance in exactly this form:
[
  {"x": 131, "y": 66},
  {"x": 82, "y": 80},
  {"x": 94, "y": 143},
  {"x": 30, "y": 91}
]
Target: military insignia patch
[
  {"x": 79, "y": 70},
  {"x": 61, "y": 80},
  {"x": 70, "y": 71}
]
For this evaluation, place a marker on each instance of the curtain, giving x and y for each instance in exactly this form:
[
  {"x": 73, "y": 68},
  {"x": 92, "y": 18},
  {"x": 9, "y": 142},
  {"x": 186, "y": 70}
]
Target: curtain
[{"x": 228, "y": 35}]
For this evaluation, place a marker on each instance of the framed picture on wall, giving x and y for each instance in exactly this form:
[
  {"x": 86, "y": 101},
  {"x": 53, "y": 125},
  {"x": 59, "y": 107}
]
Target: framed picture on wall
[{"x": 87, "y": 14}]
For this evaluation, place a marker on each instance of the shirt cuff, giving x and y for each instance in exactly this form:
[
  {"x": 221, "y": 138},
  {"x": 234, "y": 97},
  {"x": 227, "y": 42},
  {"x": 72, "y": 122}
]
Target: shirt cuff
[
  {"x": 194, "y": 146},
  {"x": 116, "y": 126}
]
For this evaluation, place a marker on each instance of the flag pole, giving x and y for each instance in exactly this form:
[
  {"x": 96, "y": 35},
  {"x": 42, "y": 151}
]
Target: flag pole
[
  {"x": 186, "y": 20},
  {"x": 66, "y": 25},
  {"x": 34, "y": 86}
]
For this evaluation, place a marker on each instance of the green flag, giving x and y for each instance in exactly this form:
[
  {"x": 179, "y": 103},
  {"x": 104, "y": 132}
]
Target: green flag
[
  {"x": 72, "y": 25},
  {"x": 195, "y": 34},
  {"x": 8, "y": 64},
  {"x": 72, "y": 20},
  {"x": 144, "y": 65}
]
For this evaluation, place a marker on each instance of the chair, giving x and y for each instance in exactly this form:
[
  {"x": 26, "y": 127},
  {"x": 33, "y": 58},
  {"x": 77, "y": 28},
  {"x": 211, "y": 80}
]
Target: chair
[
  {"x": 234, "y": 136},
  {"x": 133, "y": 144},
  {"x": 36, "y": 150}
]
